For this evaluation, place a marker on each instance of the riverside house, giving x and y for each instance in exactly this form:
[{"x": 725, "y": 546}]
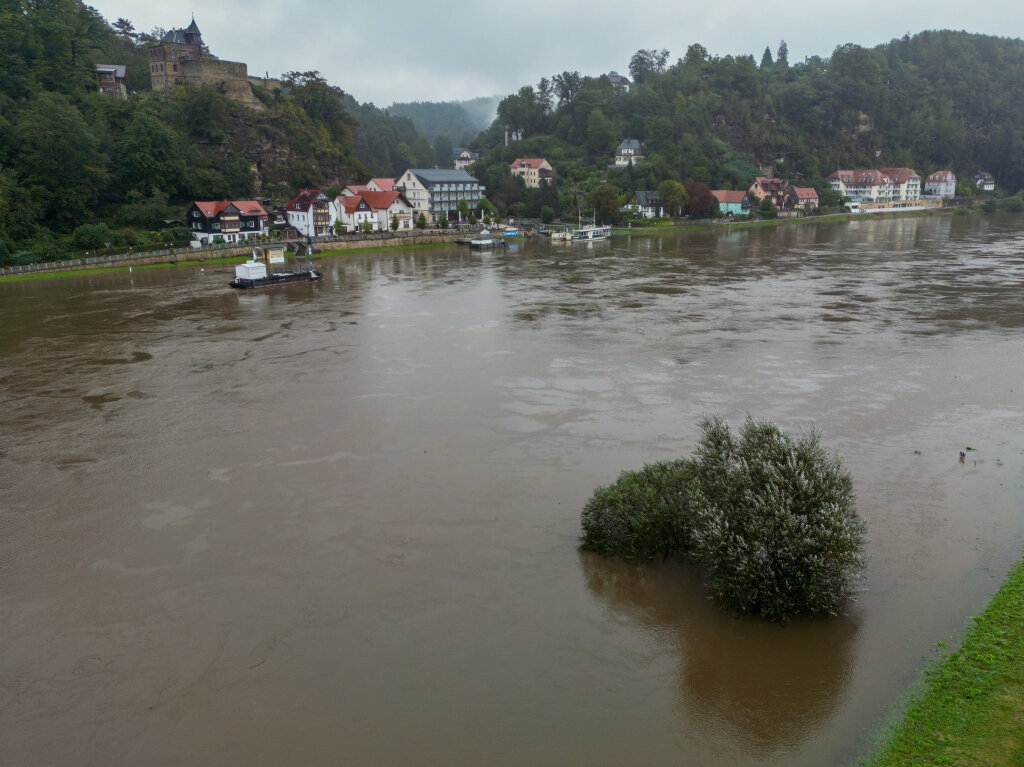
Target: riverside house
[
  {"x": 732, "y": 203},
  {"x": 231, "y": 220},
  {"x": 436, "y": 192},
  {"x": 309, "y": 211},
  {"x": 534, "y": 171}
]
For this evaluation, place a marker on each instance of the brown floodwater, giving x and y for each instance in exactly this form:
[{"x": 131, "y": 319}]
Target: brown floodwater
[{"x": 339, "y": 523}]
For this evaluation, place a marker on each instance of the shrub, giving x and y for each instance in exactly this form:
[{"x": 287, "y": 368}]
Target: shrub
[
  {"x": 774, "y": 521},
  {"x": 770, "y": 519},
  {"x": 91, "y": 236},
  {"x": 641, "y": 516}
]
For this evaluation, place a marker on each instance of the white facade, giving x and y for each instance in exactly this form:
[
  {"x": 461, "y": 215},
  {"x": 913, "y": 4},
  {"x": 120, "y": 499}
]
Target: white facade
[{"x": 941, "y": 183}]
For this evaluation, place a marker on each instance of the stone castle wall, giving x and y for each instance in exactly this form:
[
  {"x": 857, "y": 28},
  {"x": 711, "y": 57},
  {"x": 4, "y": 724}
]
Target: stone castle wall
[{"x": 178, "y": 64}]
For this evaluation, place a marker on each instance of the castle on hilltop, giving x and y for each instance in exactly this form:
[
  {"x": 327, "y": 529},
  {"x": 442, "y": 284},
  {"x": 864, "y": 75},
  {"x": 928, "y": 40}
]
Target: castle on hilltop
[{"x": 181, "y": 58}]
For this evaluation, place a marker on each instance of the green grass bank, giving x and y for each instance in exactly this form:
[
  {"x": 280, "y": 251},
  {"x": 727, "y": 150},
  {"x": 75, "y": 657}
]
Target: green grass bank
[{"x": 971, "y": 710}]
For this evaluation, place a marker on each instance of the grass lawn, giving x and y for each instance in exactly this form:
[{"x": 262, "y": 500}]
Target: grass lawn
[{"x": 971, "y": 711}]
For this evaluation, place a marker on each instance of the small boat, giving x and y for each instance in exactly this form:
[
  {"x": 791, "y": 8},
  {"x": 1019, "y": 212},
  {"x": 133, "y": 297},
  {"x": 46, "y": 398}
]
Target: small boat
[
  {"x": 510, "y": 231},
  {"x": 253, "y": 274},
  {"x": 591, "y": 233}
]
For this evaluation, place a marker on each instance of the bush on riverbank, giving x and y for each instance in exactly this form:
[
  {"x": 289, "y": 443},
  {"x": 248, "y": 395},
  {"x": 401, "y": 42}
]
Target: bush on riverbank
[{"x": 771, "y": 519}]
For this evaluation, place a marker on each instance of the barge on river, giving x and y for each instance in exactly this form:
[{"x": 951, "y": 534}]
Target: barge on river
[{"x": 254, "y": 274}]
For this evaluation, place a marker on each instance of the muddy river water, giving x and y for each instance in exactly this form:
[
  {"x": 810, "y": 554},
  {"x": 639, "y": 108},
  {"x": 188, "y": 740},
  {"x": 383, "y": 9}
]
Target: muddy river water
[{"x": 339, "y": 523}]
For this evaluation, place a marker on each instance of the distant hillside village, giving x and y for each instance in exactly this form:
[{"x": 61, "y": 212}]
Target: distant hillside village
[{"x": 421, "y": 197}]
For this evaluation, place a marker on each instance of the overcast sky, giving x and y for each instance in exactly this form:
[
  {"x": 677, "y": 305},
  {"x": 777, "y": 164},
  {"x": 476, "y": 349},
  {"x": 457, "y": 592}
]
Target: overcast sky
[{"x": 398, "y": 50}]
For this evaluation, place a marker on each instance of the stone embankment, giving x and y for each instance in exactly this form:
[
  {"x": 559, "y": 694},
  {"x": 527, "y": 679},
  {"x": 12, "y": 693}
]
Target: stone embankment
[{"x": 180, "y": 255}]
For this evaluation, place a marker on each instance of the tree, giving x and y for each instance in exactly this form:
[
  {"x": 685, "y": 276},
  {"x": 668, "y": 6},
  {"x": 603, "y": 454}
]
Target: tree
[
  {"x": 567, "y": 85},
  {"x": 463, "y": 208},
  {"x": 673, "y": 197},
  {"x": 421, "y": 221},
  {"x": 339, "y": 228},
  {"x": 603, "y": 199},
  {"x": 766, "y": 59},
  {"x": 600, "y": 133},
  {"x": 444, "y": 220},
  {"x": 547, "y": 214},
  {"x": 768, "y": 209},
  {"x": 149, "y": 156},
  {"x": 782, "y": 57},
  {"x": 700, "y": 202},
  {"x": 124, "y": 28},
  {"x": 394, "y": 222}
]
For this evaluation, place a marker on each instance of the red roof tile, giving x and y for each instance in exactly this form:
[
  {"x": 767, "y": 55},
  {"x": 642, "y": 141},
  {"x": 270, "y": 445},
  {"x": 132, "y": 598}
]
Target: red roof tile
[
  {"x": 387, "y": 184},
  {"x": 727, "y": 195},
  {"x": 211, "y": 208},
  {"x": 531, "y": 162}
]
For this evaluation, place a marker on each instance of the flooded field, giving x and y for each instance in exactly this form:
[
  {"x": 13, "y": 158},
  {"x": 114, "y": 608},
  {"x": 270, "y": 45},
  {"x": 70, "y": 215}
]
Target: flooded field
[{"x": 338, "y": 523}]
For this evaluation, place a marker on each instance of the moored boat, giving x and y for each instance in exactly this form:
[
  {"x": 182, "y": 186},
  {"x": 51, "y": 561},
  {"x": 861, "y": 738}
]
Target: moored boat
[
  {"x": 591, "y": 233},
  {"x": 253, "y": 274}
]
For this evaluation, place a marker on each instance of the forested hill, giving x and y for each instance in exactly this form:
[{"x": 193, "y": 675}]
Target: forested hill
[
  {"x": 459, "y": 121},
  {"x": 933, "y": 101},
  {"x": 71, "y": 157}
]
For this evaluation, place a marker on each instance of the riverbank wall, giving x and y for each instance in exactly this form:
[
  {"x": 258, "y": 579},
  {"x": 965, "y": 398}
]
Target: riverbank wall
[{"x": 221, "y": 252}]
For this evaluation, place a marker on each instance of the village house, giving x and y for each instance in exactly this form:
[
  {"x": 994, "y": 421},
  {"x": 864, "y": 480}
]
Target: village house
[
  {"x": 773, "y": 189},
  {"x": 862, "y": 185},
  {"x": 941, "y": 183},
  {"x": 619, "y": 82},
  {"x": 984, "y": 181},
  {"x": 230, "y": 220},
  {"x": 111, "y": 80},
  {"x": 906, "y": 184},
  {"x": 353, "y": 211},
  {"x": 436, "y": 192},
  {"x": 381, "y": 184},
  {"x": 464, "y": 158},
  {"x": 732, "y": 203},
  {"x": 629, "y": 151},
  {"x": 354, "y": 190},
  {"x": 377, "y": 209},
  {"x": 645, "y": 204},
  {"x": 534, "y": 171},
  {"x": 801, "y": 197},
  {"x": 310, "y": 213}
]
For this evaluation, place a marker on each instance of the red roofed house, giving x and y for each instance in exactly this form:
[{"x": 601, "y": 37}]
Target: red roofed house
[
  {"x": 375, "y": 208},
  {"x": 906, "y": 184},
  {"x": 353, "y": 212},
  {"x": 310, "y": 213},
  {"x": 732, "y": 203},
  {"x": 354, "y": 190},
  {"x": 801, "y": 197},
  {"x": 231, "y": 220},
  {"x": 381, "y": 184},
  {"x": 772, "y": 188},
  {"x": 862, "y": 185},
  {"x": 533, "y": 170},
  {"x": 941, "y": 183}
]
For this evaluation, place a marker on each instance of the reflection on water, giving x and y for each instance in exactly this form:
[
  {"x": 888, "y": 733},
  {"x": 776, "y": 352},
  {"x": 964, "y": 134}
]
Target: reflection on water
[
  {"x": 339, "y": 521},
  {"x": 771, "y": 686}
]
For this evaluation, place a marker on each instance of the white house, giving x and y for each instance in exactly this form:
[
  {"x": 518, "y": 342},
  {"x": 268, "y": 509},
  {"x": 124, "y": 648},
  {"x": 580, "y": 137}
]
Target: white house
[
  {"x": 646, "y": 204},
  {"x": 629, "y": 151},
  {"x": 941, "y": 183},
  {"x": 436, "y": 192},
  {"x": 906, "y": 184},
  {"x": 984, "y": 181},
  {"x": 311, "y": 213}
]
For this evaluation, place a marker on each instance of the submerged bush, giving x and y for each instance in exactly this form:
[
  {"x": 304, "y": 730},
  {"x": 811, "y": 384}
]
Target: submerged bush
[
  {"x": 641, "y": 516},
  {"x": 771, "y": 519}
]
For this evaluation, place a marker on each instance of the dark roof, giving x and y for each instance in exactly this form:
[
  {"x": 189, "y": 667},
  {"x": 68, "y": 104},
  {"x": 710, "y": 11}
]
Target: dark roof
[
  {"x": 192, "y": 28},
  {"x": 629, "y": 143},
  {"x": 647, "y": 199},
  {"x": 430, "y": 176},
  {"x": 304, "y": 198},
  {"x": 117, "y": 69}
]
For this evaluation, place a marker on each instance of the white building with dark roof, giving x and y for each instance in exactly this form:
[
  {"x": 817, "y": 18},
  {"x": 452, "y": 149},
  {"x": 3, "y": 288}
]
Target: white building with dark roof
[{"x": 436, "y": 192}]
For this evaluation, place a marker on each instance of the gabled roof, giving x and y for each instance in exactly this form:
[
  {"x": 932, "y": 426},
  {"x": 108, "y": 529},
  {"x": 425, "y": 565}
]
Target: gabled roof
[
  {"x": 304, "y": 198},
  {"x": 629, "y": 143},
  {"x": 383, "y": 200},
  {"x": 805, "y": 192},
  {"x": 768, "y": 182},
  {"x": 353, "y": 190},
  {"x": 460, "y": 150},
  {"x": 860, "y": 176},
  {"x": 352, "y": 204},
  {"x": 941, "y": 176},
  {"x": 902, "y": 175},
  {"x": 618, "y": 79},
  {"x": 212, "y": 208},
  {"x": 729, "y": 196},
  {"x": 117, "y": 69},
  {"x": 528, "y": 162},
  {"x": 386, "y": 184},
  {"x": 647, "y": 199}
]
